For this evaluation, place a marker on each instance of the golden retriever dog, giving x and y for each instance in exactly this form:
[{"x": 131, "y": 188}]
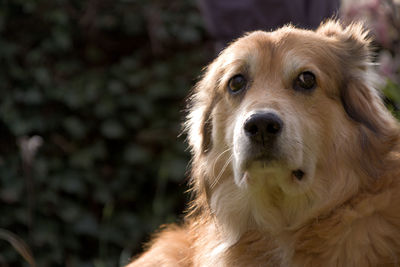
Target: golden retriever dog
[{"x": 295, "y": 158}]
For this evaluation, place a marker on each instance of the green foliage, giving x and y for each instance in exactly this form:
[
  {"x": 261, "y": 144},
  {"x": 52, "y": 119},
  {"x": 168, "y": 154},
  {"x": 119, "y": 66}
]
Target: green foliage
[
  {"x": 102, "y": 83},
  {"x": 392, "y": 93}
]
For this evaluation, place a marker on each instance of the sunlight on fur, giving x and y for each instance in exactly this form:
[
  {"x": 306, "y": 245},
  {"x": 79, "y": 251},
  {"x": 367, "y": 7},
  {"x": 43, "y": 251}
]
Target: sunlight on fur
[{"x": 295, "y": 158}]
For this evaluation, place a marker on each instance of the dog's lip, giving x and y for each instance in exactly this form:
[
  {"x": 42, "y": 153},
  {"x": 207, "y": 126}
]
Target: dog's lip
[
  {"x": 297, "y": 173},
  {"x": 265, "y": 159}
]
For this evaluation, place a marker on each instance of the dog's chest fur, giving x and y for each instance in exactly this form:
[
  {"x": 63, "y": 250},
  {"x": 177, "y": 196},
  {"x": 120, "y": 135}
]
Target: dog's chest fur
[{"x": 356, "y": 234}]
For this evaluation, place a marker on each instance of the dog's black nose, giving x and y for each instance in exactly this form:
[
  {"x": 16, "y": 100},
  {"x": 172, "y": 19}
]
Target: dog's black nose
[{"x": 263, "y": 127}]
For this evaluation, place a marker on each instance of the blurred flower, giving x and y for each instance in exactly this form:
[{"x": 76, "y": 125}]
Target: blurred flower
[
  {"x": 29, "y": 147},
  {"x": 386, "y": 66},
  {"x": 382, "y": 17}
]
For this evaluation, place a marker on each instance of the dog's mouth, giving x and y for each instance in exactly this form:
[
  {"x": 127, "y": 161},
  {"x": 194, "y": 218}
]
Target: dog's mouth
[
  {"x": 297, "y": 174},
  {"x": 270, "y": 164}
]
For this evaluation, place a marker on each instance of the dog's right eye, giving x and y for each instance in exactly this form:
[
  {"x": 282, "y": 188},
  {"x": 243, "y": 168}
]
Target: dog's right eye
[{"x": 237, "y": 83}]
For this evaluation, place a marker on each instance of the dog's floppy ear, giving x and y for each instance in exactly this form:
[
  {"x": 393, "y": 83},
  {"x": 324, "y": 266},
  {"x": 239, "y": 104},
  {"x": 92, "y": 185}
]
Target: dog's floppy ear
[
  {"x": 352, "y": 43},
  {"x": 363, "y": 105},
  {"x": 201, "y": 104},
  {"x": 377, "y": 128},
  {"x": 360, "y": 99}
]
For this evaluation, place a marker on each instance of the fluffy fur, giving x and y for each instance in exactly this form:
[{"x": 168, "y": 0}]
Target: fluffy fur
[{"x": 346, "y": 209}]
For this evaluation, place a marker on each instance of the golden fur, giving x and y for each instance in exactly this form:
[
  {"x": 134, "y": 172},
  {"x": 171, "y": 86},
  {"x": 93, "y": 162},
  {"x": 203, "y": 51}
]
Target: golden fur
[{"x": 346, "y": 209}]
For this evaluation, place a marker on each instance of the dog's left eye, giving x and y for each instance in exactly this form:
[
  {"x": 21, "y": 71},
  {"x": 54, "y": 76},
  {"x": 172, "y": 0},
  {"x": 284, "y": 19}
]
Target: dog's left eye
[
  {"x": 305, "y": 81},
  {"x": 237, "y": 83}
]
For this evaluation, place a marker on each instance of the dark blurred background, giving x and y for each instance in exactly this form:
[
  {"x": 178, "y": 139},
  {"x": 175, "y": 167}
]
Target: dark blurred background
[{"x": 91, "y": 101}]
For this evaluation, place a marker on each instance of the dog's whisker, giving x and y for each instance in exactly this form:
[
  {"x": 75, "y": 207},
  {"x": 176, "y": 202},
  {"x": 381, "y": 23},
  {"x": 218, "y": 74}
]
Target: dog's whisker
[
  {"x": 217, "y": 158},
  {"x": 215, "y": 163},
  {"x": 215, "y": 182}
]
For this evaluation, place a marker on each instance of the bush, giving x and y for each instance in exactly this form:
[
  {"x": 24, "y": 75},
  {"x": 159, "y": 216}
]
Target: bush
[{"x": 91, "y": 93}]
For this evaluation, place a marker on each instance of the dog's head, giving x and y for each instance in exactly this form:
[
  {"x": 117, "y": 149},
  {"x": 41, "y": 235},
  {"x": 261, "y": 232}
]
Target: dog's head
[{"x": 287, "y": 119}]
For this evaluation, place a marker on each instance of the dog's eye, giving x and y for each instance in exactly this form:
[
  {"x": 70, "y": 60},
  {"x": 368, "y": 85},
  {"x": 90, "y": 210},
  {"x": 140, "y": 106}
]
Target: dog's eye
[
  {"x": 237, "y": 83},
  {"x": 305, "y": 81}
]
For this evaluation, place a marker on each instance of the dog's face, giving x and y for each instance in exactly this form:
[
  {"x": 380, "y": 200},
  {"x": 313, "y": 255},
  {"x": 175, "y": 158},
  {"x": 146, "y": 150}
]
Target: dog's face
[
  {"x": 279, "y": 120},
  {"x": 277, "y": 104}
]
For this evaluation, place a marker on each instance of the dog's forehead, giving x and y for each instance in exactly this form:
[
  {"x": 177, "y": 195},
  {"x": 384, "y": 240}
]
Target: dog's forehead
[
  {"x": 249, "y": 48},
  {"x": 286, "y": 51},
  {"x": 277, "y": 41}
]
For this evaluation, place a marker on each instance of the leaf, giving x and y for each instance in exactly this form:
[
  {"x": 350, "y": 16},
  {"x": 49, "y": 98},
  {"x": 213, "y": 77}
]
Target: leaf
[
  {"x": 392, "y": 90},
  {"x": 75, "y": 127},
  {"x": 112, "y": 129},
  {"x": 86, "y": 225},
  {"x": 135, "y": 154},
  {"x": 19, "y": 245}
]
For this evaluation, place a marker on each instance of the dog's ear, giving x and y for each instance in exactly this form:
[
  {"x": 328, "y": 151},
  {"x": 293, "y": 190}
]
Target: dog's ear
[
  {"x": 353, "y": 42},
  {"x": 201, "y": 105},
  {"x": 363, "y": 104},
  {"x": 352, "y": 46}
]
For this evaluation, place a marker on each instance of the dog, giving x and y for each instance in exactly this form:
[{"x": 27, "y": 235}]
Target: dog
[{"x": 296, "y": 160}]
